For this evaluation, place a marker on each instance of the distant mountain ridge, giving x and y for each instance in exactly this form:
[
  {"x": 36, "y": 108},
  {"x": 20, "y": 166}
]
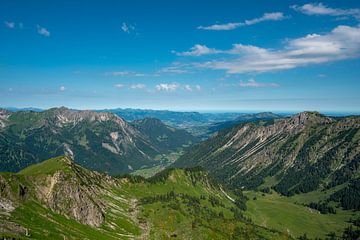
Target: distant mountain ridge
[
  {"x": 163, "y": 136},
  {"x": 299, "y": 154},
  {"x": 250, "y": 117},
  {"x": 97, "y": 140}
]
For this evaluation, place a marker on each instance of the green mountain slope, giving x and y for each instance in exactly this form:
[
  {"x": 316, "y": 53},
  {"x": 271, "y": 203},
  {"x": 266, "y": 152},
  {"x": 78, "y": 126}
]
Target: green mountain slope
[
  {"x": 58, "y": 199},
  {"x": 97, "y": 140},
  {"x": 163, "y": 136},
  {"x": 313, "y": 161},
  {"x": 297, "y": 155}
]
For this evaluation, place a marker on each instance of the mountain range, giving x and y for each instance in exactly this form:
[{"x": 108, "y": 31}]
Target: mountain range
[
  {"x": 260, "y": 176},
  {"x": 299, "y": 154},
  {"x": 97, "y": 140}
]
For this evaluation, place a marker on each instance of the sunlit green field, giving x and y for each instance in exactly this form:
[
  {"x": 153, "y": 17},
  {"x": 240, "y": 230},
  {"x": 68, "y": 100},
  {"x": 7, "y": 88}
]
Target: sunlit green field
[{"x": 287, "y": 214}]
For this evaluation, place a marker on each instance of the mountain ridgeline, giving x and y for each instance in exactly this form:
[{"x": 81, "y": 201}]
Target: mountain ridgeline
[
  {"x": 300, "y": 154},
  {"x": 250, "y": 117},
  {"x": 97, "y": 140}
]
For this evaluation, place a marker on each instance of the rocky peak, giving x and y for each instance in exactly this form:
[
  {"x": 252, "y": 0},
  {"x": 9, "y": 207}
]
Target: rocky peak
[
  {"x": 64, "y": 115},
  {"x": 4, "y": 114},
  {"x": 3, "y": 111},
  {"x": 150, "y": 121},
  {"x": 306, "y": 118}
]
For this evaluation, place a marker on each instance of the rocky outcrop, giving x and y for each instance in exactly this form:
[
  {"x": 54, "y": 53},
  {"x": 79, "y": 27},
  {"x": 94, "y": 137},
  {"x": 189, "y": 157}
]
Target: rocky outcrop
[
  {"x": 4, "y": 114},
  {"x": 74, "y": 193}
]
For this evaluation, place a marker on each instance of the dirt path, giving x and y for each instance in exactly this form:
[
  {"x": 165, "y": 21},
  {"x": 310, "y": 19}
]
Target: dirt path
[
  {"x": 135, "y": 214},
  {"x": 226, "y": 195}
]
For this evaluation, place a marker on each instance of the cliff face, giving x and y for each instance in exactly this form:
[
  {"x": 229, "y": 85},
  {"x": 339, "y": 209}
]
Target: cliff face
[
  {"x": 72, "y": 194},
  {"x": 67, "y": 189}
]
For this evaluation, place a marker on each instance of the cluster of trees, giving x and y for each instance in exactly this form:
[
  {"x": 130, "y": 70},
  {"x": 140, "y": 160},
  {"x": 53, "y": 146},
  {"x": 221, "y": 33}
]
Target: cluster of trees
[
  {"x": 348, "y": 197},
  {"x": 266, "y": 190},
  {"x": 323, "y": 208},
  {"x": 133, "y": 178},
  {"x": 158, "y": 198},
  {"x": 215, "y": 202},
  {"x": 308, "y": 178},
  {"x": 347, "y": 172}
]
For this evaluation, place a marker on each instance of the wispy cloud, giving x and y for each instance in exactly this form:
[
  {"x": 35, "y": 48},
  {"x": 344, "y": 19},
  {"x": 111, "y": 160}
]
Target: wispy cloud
[
  {"x": 127, "y": 28},
  {"x": 172, "y": 69},
  {"x": 13, "y": 25},
  {"x": 125, "y": 74},
  {"x": 321, "y": 9},
  {"x": 187, "y": 87},
  {"x": 62, "y": 88},
  {"x": 9, "y": 24},
  {"x": 343, "y": 42},
  {"x": 137, "y": 86},
  {"x": 43, "y": 31},
  {"x": 167, "y": 87},
  {"x": 119, "y": 86},
  {"x": 274, "y": 16},
  {"x": 190, "y": 88},
  {"x": 197, "y": 50},
  {"x": 172, "y": 87},
  {"x": 252, "y": 83}
]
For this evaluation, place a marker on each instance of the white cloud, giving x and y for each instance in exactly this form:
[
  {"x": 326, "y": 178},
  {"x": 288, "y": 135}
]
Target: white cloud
[
  {"x": 321, "y": 9},
  {"x": 252, "y": 83},
  {"x": 188, "y": 88},
  {"x": 119, "y": 86},
  {"x": 62, "y": 88},
  {"x": 343, "y": 42},
  {"x": 167, "y": 87},
  {"x": 274, "y": 16},
  {"x": 138, "y": 86},
  {"x": 198, "y": 50},
  {"x": 43, "y": 31},
  {"x": 222, "y": 27},
  {"x": 9, "y": 24},
  {"x": 127, "y": 28}
]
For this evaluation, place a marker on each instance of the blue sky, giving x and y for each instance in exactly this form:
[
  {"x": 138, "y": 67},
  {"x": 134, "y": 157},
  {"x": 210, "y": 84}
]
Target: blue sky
[{"x": 181, "y": 55}]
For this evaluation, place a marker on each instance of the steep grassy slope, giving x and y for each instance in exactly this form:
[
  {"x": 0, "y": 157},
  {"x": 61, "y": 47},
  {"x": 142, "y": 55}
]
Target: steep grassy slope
[
  {"x": 58, "y": 199},
  {"x": 98, "y": 141}
]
